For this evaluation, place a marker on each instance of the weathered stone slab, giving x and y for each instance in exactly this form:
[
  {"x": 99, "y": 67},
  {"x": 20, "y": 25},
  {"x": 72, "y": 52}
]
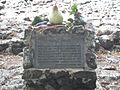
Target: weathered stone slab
[{"x": 58, "y": 51}]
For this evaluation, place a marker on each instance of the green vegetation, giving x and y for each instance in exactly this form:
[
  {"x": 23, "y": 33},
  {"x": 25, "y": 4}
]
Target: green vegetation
[
  {"x": 36, "y": 20},
  {"x": 73, "y": 9}
]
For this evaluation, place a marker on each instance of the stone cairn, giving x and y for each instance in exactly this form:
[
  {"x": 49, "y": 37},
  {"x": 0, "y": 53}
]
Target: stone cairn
[{"x": 57, "y": 59}]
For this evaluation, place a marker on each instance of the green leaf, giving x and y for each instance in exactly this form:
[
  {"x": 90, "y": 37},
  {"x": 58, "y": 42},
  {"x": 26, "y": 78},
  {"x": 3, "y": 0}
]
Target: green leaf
[
  {"x": 36, "y": 20},
  {"x": 73, "y": 8}
]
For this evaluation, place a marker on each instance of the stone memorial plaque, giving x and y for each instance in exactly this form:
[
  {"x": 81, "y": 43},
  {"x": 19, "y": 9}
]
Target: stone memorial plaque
[
  {"x": 71, "y": 52},
  {"x": 58, "y": 51}
]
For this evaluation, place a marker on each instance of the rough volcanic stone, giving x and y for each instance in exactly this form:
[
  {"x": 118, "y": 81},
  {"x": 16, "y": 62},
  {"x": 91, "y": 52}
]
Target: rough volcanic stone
[
  {"x": 62, "y": 74},
  {"x": 90, "y": 59},
  {"x": 66, "y": 88},
  {"x": 85, "y": 79},
  {"x": 26, "y": 60},
  {"x": 49, "y": 74},
  {"x": 116, "y": 38},
  {"x": 3, "y": 36},
  {"x": 49, "y": 87},
  {"x": 77, "y": 80},
  {"x": 3, "y": 1},
  {"x": 2, "y": 64},
  {"x": 31, "y": 74},
  {"x": 78, "y": 29},
  {"x": 16, "y": 47},
  {"x": 3, "y": 46},
  {"x": 106, "y": 44},
  {"x": 2, "y": 7}
]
